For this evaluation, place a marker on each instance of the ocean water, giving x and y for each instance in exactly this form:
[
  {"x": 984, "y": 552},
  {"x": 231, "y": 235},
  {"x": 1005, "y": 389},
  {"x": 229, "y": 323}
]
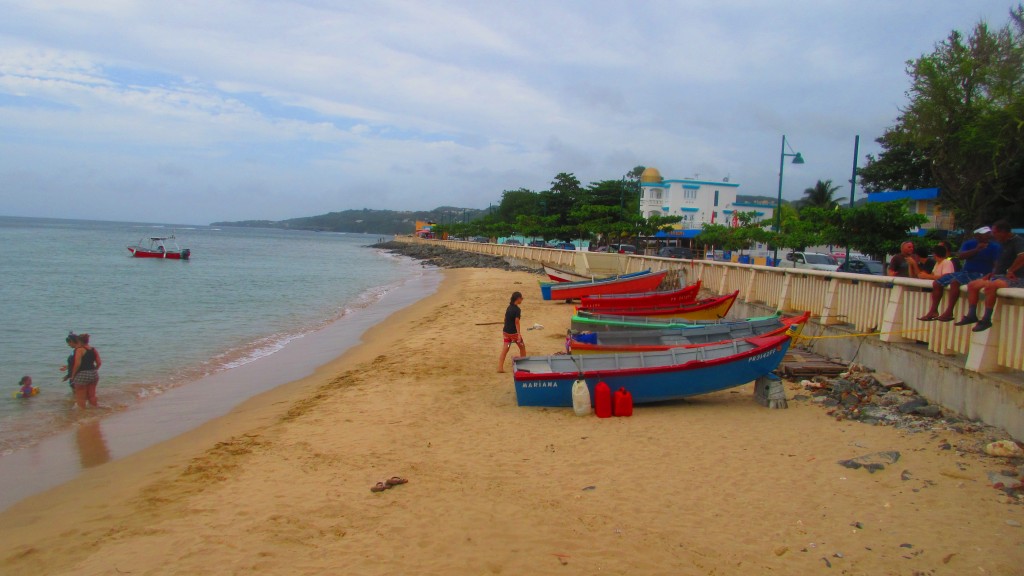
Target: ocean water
[{"x": 161, "y": 325}]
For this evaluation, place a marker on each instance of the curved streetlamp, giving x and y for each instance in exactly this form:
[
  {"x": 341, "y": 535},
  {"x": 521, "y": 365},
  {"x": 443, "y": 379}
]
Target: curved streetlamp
[{"x": 797, "y": 159}]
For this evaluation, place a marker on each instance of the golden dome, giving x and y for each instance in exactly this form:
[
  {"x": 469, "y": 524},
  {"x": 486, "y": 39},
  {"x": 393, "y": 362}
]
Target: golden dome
[{"x": 650, "y": 175}]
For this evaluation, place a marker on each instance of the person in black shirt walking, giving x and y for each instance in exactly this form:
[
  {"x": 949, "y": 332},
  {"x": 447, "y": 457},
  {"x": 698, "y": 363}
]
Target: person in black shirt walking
[{"x": 510, "y": 332}]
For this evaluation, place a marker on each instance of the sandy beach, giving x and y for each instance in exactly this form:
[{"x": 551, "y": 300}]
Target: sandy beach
[{"x": 715, "y": 485}]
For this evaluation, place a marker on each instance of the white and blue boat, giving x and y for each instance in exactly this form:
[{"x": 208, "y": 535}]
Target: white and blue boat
[{"x": 649, "y": 376}]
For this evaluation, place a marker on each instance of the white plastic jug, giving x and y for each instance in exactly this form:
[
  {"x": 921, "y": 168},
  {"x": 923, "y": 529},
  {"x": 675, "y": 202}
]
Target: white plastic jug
[{"x": 580, "y": 398}]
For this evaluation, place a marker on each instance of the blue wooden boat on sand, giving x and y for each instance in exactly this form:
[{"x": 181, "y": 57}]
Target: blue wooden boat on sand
[{"x": 649, "y": 376}]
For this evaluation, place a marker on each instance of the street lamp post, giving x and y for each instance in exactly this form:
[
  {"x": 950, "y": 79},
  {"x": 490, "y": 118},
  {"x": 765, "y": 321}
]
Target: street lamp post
[
  {"x": 853, "y": 189},
  {"x": 797, "y": 159}
]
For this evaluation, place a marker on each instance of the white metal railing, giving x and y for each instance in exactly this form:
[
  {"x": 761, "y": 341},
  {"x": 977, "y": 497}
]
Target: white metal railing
[{"x": 870, "y": 304}]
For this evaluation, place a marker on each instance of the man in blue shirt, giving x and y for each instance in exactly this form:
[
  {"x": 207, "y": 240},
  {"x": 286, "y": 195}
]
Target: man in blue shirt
[
  {"x": 979, "y": 254},
  {"x": 1007, "y": 273}
]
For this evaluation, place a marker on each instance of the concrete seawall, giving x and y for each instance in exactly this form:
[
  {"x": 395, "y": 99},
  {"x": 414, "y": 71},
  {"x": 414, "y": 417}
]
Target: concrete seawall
[{"x": 993, "y": 398}]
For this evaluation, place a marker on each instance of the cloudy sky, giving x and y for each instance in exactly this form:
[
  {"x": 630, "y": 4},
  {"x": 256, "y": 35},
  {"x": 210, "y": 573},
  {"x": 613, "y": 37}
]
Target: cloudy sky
[{"x": 196, "y": 111}]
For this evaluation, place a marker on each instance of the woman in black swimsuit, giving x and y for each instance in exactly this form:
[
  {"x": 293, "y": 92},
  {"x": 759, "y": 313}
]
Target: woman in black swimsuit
[{"x": 85, "y": 374}]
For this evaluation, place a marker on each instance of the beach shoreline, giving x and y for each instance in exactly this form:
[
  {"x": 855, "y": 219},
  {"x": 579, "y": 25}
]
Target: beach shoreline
[
  {"x": 95, "y": 437},
  {"x": 713, "y": 485}
]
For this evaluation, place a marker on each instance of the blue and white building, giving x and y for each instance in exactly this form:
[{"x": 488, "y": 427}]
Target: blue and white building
[{"x": 698, "y": 202}]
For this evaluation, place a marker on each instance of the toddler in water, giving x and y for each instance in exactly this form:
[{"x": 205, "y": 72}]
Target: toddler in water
[{"x": 27, "y": 389}]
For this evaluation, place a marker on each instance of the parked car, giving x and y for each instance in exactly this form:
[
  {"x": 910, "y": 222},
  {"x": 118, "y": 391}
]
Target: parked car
[
  {"x": 675, "y": 252},
  {"x": 562, "y": 246},
  {"x": 809, "y": 261},
  {"x": 480, "y": 239},
  {"x": 513, "y": 242},
  {"x": 622, "y": 248},
  {"x": 862, "y": 267},
  {"x": 538, "y": 244}
]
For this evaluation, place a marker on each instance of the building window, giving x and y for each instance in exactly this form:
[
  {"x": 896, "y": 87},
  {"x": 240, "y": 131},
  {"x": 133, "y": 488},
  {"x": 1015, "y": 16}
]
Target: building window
[
  {"x": 716, "y": 197},
  {"x": 689, "y": 194}
]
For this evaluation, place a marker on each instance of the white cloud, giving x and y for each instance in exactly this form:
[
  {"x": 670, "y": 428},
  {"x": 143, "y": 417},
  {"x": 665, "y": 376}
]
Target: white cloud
[{"x": 275, "y": 109}]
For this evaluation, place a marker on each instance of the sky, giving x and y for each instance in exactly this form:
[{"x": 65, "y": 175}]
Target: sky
[{"x": 191, "y": 112}]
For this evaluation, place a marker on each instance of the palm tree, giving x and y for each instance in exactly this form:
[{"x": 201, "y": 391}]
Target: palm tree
[{"x": 820, "y": 195}]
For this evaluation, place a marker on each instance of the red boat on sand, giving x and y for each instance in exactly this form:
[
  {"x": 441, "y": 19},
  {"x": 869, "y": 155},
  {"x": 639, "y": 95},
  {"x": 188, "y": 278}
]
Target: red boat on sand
[
  {"x": 708, "y": 309},
  {"x": 685, "y": 295},
  {"x": 621, "y": 285}
]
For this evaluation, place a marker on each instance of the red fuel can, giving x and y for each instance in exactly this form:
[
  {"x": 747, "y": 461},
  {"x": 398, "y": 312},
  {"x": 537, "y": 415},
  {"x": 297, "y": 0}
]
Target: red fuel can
[
  {"x": 623, "y": 402},
  {"x": 602, "y": 400}
]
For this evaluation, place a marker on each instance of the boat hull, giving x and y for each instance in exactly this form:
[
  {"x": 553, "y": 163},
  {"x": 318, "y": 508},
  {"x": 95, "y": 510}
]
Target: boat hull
[
  {"x": 647, "y": 384},
  {"x": 621, "y": 285},
  {"x": 170, "y": 255},
  {"x": 558, "y": 275},
  {"x": 710, "y": 309},
  {"x": 686, "y": 295},
  {"x": 609, "y": 322},
  {"x": 657, "y": 340}
]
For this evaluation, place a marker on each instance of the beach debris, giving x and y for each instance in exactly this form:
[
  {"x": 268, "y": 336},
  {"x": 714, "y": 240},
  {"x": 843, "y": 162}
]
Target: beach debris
[
  {"x": 781, "y": 550},
  {"x": 389, "y": 483},
  {"x": 1002, "y": 480},
  {"x": 536, "y": 327},
  {"x": 872, "y": 462},
  {"x": 1004, "y": 448},
  {"x": 827, "y": 563},
  {"x": 880, "y": 400},
  {"x": 586, "y": 488}
]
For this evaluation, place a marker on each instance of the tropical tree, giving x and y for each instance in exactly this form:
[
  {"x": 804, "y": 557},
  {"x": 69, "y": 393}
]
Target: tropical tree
[
  {"x": 964, "y": 125},
  {"x": 821, "y": 195},
  {"x": 875, "y": 228}
]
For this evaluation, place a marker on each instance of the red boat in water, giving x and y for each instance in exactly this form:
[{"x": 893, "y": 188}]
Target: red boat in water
[{"x": 159, "y": 247}]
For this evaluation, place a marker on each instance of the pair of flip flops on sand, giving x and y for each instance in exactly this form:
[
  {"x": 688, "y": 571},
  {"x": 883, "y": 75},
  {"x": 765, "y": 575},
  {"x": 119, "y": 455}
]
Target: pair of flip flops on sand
[{"x": 389, "y": 483}]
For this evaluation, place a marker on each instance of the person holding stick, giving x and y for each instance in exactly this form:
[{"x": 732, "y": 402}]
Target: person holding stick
[{"x": 510, "y": 331}]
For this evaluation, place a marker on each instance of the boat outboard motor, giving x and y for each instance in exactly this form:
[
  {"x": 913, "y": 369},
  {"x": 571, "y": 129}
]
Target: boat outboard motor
[{"x": 185, "y": 254}]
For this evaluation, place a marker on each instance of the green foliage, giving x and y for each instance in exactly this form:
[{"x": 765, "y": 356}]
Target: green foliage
[
  {"x": 741, "y": 237},
  {"x": 963, "y": 129},
  {"x": 821, "y": 195},
  {"x": 875, "y": 228}
]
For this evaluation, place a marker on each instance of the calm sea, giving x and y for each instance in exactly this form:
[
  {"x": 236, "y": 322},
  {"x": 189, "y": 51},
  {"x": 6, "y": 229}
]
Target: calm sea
[{"x": 160, "y": 325}]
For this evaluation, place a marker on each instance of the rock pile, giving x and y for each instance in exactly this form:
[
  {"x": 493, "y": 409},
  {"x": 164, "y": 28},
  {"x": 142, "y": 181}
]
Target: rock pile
[
  {"x": 873, "y": 398},
  {"x": 881, "y": 399},
  {"x": 444, "y": 258}
]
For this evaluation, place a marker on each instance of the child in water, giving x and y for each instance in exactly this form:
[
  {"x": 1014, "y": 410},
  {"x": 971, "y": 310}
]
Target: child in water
[{"x": 27, "y": 389}]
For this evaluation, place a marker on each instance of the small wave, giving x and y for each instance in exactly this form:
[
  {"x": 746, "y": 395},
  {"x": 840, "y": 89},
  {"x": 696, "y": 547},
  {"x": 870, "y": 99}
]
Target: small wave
[{"x": 263, "y": 348}]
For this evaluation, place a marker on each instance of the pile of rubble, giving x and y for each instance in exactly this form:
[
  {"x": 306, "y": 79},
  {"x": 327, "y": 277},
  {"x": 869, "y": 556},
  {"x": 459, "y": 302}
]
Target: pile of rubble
[
  {"x": 876, "y": 398},
  {"x": 882, "y": 399}
]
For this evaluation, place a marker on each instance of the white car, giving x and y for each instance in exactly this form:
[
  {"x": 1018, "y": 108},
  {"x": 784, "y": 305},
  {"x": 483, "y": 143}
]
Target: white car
[{"x": 810, "y": 261}]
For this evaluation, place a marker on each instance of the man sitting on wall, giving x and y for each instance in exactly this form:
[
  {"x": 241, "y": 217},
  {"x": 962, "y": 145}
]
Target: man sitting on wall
[
  {"x": 1004, "y": 275},
  {"x": 979, "y": 254}
]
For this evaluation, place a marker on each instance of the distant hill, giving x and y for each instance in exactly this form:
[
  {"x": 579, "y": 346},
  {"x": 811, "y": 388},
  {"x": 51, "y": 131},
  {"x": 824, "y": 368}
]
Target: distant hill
[{"x": 365, "y": 220}]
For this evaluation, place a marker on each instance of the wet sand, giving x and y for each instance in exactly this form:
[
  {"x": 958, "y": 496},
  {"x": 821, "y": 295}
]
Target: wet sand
[{"x": 715, "y": 485}]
